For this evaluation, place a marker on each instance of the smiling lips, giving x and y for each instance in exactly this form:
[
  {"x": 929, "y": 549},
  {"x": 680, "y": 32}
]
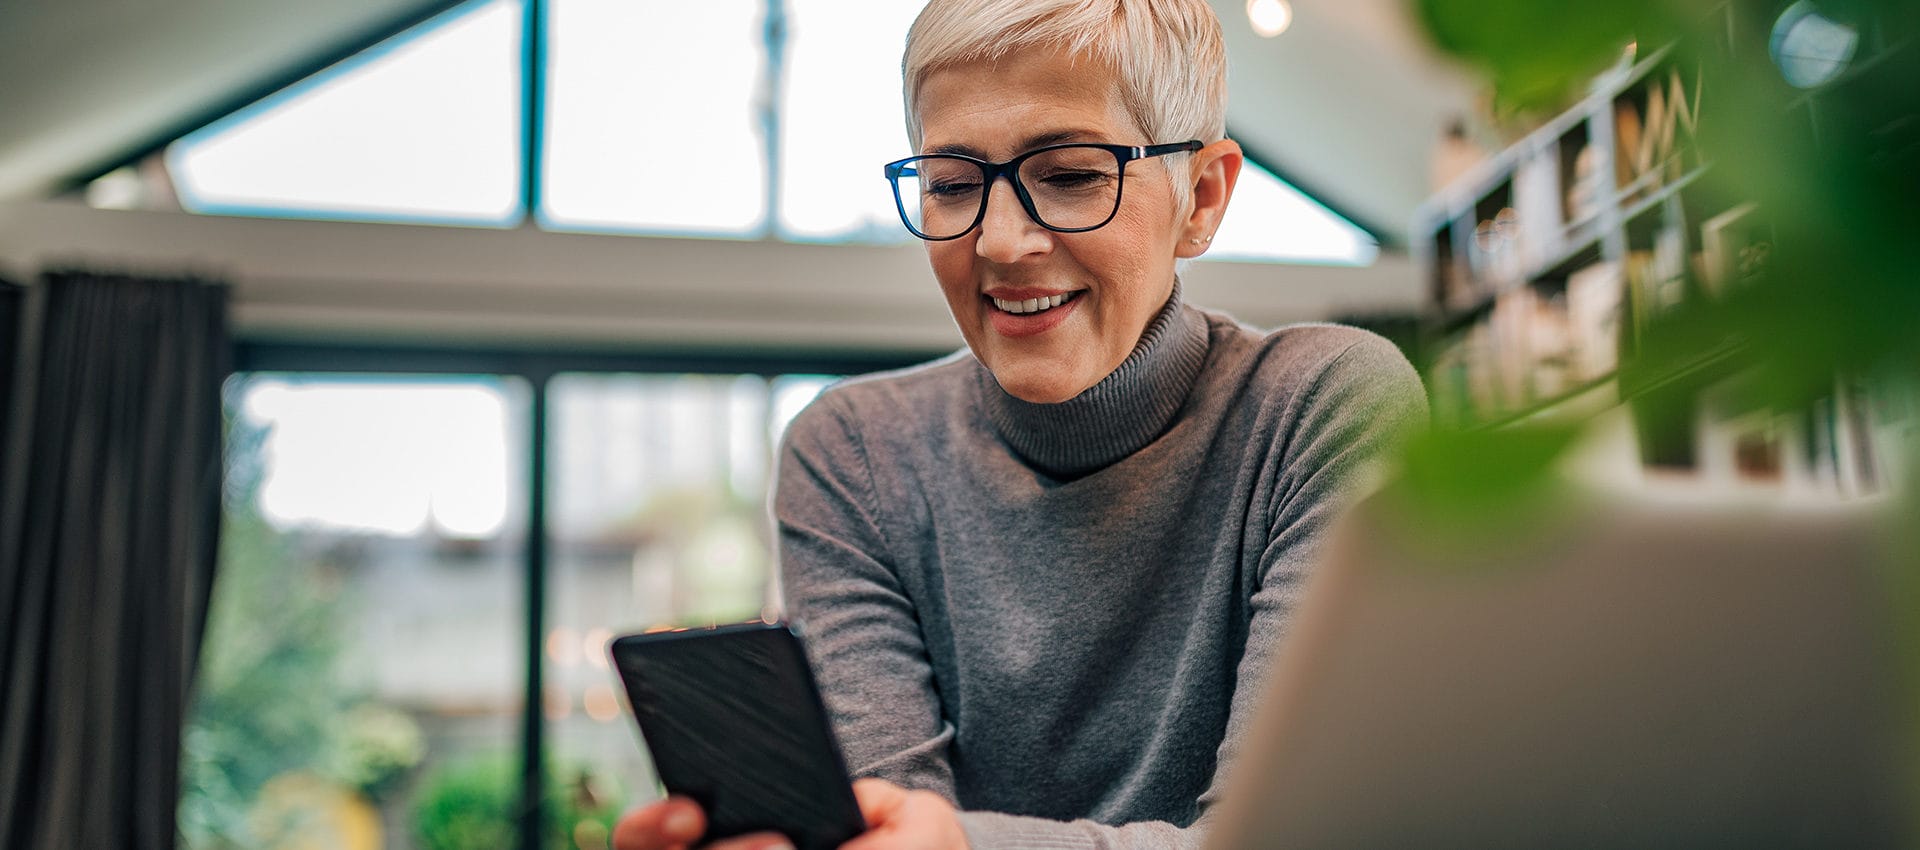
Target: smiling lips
[
  {"x": 1032, "y": 305},
  {"x": 1021, "y": 313}
]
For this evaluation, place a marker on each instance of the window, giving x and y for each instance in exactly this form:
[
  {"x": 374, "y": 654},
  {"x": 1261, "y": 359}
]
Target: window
[
  {"x": 656, "y": 120},
  {"x": 364, "y": 678},
  {"x": 361, "y": 680},
  {"x": 659, "y": 499},
  {"x": 424, "y": 127},
  {"x": 651, "y": 117},
  {"x": 1272, "y": 222},
  {"x": 841, "y": 120}
]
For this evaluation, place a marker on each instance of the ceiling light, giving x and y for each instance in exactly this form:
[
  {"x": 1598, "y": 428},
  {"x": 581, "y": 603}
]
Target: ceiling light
[
  {"x": 1269, "y": 17},
  {"x": 1810, "y": 48}
]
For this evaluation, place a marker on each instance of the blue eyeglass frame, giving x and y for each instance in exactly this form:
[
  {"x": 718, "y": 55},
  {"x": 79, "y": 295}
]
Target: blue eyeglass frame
[{"x": 1010, "y": 169}]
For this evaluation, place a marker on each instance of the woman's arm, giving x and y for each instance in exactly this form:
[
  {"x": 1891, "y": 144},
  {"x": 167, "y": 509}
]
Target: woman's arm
[
  {"x": 866, "y": 641},
  {"x": 861, "y": 629}
]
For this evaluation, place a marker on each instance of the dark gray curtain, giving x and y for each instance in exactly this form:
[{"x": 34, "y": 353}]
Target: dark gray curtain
[
  {"x": 9, "y": 343},
  {"x": 109, "y": 519}
]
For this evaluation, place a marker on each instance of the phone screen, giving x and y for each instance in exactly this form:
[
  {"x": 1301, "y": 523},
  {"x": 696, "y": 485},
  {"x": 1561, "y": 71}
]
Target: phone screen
[{"x": 734, "y": 721}]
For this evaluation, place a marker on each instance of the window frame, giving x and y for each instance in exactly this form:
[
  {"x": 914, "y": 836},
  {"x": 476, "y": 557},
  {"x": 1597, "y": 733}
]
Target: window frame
[
  {"x": 538, "y": 368},
  {"x": 534, "y": 83}
]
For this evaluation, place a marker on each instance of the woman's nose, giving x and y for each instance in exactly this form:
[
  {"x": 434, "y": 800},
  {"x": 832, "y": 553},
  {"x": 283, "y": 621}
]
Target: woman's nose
[{"x": 1007, "y": 233}]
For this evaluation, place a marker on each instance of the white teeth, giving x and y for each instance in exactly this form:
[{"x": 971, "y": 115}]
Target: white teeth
[{"x": 1033, "y": 305}]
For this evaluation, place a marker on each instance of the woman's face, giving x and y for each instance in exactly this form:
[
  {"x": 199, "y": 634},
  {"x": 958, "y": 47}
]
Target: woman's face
[{"x": 1114, "y": 279}]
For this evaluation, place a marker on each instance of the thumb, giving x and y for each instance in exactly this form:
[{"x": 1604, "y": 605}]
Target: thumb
[{"x": 879, "y": 800}]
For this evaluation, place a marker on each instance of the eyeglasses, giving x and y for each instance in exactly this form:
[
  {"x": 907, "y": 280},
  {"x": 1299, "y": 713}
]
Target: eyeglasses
[{"x": 1064, "y": 188}]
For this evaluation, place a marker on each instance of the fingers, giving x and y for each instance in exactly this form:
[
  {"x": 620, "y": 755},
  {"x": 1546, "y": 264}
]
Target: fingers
[
  {"x": 898, "y": 818},
  {"x": 670, "y": 824},
  {"x": 879, "y": 800},
  {"x": 756, "y": 841},
  {"x": 675, "y": 823}
]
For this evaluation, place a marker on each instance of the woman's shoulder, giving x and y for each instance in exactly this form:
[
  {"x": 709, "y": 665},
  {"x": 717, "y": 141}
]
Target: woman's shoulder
[
  {"x": 916, "y": 386},
  {"x": 891, "y": 399},
  {"x": 1305, "y": 353},
  {"x": 1316, "y": 378}
]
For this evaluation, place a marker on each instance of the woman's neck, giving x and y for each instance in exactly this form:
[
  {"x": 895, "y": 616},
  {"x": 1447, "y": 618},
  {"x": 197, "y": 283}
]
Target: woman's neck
[{"x": 1119, "y": 415}]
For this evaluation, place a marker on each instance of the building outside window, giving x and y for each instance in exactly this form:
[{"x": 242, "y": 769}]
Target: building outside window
[{"x": 362, "y": 680}]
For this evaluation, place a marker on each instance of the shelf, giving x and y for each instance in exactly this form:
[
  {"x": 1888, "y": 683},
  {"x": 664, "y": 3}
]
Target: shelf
[
  {"x": 1576, "y": 256},
  {"x": 1580, "y": 252},
  {"x": 1620, "y": 80},
  {"x": 1458, "y": 197},
  {"x": 1707, "y": 363},
  {"x": 1596, "y": 396},
  {"x": 1659, "y": 196},
  {"x": 1581, "y": 402},
  {"x": 1458, "y": 317},
  {"x": 1585, "y": 246},
  {"x": 1674, "y": 393}
]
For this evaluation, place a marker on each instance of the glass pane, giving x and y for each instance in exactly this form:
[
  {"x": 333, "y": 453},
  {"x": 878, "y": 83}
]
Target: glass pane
[
  {"x": 659, "y": 516},
  {"x": 652, "y": 123},
  {"x": 1270, "y": 221},
  {"x": 424, "y": 127},
  {"x": 362, "y": 679},
  {"x": 842, "y": 119}
]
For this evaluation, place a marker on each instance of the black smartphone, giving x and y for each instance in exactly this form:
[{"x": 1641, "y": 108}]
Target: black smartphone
[{"x": 734, "y": 721}]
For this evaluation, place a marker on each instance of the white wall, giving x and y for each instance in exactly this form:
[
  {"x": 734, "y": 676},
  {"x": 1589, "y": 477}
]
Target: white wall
[{"x": 450, "y": 285}]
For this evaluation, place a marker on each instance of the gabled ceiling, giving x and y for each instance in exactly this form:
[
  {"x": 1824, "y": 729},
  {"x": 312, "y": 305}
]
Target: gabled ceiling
[
  {"x": 87, "y": 83},
  {"x": 1346, "y": 104}
]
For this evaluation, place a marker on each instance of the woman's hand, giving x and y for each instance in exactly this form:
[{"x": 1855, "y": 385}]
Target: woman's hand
[
  {"x": 907, "y": 820},
  {"x": 675, "y": 823},
  {"x": 897, "y": 819}
]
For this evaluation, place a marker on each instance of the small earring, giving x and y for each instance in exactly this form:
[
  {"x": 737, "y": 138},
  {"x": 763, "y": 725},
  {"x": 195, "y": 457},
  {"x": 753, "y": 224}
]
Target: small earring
[{"x": 1199, "y": 241}]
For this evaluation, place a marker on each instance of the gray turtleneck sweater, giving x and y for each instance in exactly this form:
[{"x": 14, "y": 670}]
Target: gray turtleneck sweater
[{"x": 1058, "y": 616}]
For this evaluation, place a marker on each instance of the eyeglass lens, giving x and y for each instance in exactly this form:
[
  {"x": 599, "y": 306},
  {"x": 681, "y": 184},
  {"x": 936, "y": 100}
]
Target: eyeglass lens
[{"x": 1070, "y": 188}]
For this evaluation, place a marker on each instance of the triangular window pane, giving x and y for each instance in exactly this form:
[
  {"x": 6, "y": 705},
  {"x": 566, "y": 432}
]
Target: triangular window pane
[
  {"x": 652, "y": 123},
  {"x": 424, "y": 127},
  {"x": 1269, "y": 221}
]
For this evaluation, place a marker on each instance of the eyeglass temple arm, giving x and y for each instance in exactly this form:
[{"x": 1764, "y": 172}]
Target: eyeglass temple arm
[{"x": 1162, "y": 150}]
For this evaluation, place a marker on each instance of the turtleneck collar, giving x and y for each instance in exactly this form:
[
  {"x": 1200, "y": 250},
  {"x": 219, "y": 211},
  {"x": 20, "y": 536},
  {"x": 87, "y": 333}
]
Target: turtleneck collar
[{"x": 1116, "y": 417}]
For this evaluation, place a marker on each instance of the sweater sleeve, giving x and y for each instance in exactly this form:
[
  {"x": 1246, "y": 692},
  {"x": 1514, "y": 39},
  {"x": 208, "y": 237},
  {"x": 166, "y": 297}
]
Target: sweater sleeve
[
  {"x": 1349, "y": 423},
  {"x": 862, "y": 634},
  {"x": 1343, "y": 423}
]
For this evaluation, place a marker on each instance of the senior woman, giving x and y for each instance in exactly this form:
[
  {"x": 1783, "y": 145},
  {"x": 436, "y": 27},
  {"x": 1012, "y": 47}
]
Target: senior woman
[{"x": 1043, "y": 577}]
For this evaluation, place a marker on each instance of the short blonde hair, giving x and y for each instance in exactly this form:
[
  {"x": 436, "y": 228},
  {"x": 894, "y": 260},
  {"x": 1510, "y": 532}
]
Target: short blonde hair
[{"x": 1168, "y": 53}]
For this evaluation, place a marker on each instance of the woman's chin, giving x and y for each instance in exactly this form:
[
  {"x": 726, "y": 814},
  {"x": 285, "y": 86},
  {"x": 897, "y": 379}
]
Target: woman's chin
[{"x": 1046, "y": 384}]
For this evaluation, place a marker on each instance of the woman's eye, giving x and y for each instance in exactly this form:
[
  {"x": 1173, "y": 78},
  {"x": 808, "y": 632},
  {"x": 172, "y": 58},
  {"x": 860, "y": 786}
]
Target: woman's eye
[
  {"x": 953, "y": 189},
  {"x": 1074, "y": 179}
]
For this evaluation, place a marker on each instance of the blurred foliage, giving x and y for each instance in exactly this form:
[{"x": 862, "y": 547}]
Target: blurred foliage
[
  {"x": 1835, "y": 170},
  {"x": 268, "y": 701},
  {"x": 264, "y": 693},
  {"x": 1540, "y": 56},
  {"x": 474, "y": 803},
  {"x": 304, "y": 811},
  {"x": 714, "y": 541},
  {"x": 1466, "y": 493},
  {"x": 378, "y": 746}
]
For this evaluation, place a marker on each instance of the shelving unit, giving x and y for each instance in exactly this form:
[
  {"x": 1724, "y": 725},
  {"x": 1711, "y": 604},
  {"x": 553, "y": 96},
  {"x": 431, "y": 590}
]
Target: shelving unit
[{"x": 1549, "y": 264}]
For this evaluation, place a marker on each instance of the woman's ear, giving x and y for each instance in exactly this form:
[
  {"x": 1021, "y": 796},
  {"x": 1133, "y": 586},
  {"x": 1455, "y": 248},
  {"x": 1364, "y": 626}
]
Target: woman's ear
[{"x": 1214, "y": 169}]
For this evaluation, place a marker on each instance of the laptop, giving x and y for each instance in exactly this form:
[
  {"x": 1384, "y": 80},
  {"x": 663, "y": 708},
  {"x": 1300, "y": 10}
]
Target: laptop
[{"x": 1606, "y": 675}]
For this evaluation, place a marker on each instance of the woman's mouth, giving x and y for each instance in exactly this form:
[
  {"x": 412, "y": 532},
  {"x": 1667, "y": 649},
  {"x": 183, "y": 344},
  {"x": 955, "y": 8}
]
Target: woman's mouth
[
  {"x": 1031, "y": 316},
  {"x": 1033, "y": 305}
]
